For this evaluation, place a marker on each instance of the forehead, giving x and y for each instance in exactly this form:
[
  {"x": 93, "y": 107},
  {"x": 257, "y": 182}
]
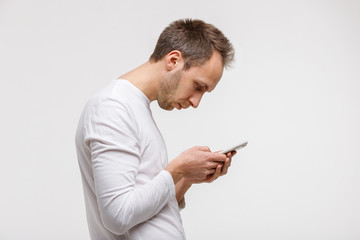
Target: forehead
[{"x": 210, "y": 72}]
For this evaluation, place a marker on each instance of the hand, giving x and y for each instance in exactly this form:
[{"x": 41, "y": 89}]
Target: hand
[
  {"x": 196, "y": 164},
  {"x": 221, "y": 170}
]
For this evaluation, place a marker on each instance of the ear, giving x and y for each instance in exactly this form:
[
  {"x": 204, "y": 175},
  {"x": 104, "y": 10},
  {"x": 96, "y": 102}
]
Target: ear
[{"x": 173, "y": 60}]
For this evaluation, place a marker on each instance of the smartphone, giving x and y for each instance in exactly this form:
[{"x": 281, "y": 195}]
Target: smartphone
[{"x": 234, "y": 148}]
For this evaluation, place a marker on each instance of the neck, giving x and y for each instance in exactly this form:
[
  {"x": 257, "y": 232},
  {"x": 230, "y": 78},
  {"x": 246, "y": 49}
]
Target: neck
[{"x": 146, "y": 78}]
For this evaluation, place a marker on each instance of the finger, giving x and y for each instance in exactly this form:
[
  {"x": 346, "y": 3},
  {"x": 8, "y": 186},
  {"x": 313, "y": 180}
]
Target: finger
[
  {"x": 226, "y": 167},
  {"x": 230, "y": 158},
  {"x": 213, "y": 165},
  {"x": 217, "y": 157},
  {"x": 231, "y": 154},
  {"x": 216, "y": 174},
  {"x": 210, "y": 171}
]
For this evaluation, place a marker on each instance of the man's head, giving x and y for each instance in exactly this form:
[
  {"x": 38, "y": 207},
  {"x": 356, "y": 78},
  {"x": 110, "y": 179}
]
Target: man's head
[
  {"x": 196, "y": 40},
  {"x": 195, "y": 54}
]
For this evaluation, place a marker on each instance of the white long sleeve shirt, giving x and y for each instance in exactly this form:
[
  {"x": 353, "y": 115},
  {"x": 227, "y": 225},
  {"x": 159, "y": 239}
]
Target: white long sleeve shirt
[{"x": 122, "y": 155}]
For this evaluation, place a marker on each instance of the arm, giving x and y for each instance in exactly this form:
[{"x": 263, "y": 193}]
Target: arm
[{"x": 115, "y": 159}]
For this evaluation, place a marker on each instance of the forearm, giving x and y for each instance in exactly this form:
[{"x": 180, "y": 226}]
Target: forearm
[
  {"x": 181, "y": 188},
  {"x": 121, "y": 209},
  {"x": 173, "y": 169}
]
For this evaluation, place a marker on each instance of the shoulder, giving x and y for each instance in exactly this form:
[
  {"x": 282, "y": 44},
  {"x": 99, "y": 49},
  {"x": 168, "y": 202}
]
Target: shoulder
[{"x": 110, "y": 100}]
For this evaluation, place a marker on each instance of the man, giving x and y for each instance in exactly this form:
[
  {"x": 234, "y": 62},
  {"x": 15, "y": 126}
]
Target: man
[{"x": 131, "y": 191}]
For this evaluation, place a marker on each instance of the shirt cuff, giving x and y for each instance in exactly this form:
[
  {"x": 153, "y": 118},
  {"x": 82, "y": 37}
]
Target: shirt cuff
[{"x": 169, "y": 181}]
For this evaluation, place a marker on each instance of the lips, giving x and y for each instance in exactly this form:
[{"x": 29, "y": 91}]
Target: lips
[{"x": 179, "y": 106}]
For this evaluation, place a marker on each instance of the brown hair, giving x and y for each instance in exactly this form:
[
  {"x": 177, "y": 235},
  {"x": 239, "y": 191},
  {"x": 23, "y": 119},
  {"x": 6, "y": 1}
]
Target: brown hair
[{"x": 196, "y": 40}]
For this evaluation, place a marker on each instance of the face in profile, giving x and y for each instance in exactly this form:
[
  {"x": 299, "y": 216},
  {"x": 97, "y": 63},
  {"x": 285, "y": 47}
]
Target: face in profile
[{"x": 184, "y": 88}]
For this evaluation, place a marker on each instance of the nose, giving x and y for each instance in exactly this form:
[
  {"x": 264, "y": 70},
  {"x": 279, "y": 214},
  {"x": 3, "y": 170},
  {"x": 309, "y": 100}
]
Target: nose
[{"x": 195, "y": 100}]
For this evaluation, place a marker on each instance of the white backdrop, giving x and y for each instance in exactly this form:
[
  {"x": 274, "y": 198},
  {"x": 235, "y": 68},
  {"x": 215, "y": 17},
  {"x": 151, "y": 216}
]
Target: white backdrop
[{"x": 293, "y": 93}]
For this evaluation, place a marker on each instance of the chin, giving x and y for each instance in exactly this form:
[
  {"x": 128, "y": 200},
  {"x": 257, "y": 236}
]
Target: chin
[{"x": 166, "y": 107}]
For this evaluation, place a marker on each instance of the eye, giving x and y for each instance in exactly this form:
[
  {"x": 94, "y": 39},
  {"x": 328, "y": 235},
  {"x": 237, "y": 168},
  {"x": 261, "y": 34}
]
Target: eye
[{"x": 199, "y": 87}]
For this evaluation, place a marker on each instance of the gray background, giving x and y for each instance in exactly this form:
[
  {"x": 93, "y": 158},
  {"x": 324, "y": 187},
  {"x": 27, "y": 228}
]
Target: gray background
[{"x": 293, "y": 93}]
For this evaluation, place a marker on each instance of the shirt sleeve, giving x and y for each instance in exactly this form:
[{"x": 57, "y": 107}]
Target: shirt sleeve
[{"x": 115, "y": 157}]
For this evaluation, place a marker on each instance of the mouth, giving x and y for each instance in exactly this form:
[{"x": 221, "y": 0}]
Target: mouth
[{"x": 178, "y": 106}]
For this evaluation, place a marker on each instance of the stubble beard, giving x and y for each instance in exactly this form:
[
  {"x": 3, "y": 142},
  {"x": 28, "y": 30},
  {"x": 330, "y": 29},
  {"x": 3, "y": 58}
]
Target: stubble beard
[{"x": 168, "y": 89}]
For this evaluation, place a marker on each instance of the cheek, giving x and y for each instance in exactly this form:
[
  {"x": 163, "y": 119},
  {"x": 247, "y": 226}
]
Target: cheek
[
  {"x": 184, "y": 92},
  {"x": 191, "y": 89},
  {"x": 187, "y": 94}
]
